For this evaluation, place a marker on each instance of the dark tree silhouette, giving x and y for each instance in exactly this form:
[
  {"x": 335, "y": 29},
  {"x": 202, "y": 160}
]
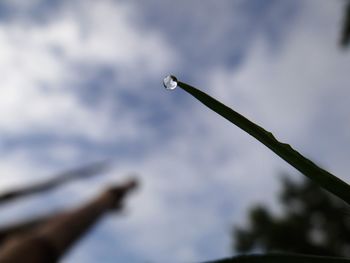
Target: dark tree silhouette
[
  {"x": 345, "y": 36},
  {"x": 313, "y": 222},
  {"x": 48, "y": 241},
  {"x": 65, "y": 177}
]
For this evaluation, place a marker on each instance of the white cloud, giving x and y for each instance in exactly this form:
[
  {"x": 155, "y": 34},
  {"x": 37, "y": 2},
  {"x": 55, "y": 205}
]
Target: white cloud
[
  {"x": 204, "y": 177},
  {"x": 281, "y": 90},
  {"x": 285, "y": 90},
  {"x": 37, "y": 92}
]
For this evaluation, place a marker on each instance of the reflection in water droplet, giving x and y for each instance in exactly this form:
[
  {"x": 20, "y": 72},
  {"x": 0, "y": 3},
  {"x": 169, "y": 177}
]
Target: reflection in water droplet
[{"x": 170, "y": 82}]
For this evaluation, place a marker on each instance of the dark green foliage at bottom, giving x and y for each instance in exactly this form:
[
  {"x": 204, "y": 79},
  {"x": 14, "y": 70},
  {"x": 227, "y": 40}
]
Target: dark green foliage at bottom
[
  {"x": 280, "y": 258},
  {"x": 314, "y": 222}
]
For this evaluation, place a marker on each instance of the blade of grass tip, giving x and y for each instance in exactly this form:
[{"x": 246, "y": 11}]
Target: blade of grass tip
[
  {"x": 325, "y": 179},
  {"x": 278, "y": 258}
]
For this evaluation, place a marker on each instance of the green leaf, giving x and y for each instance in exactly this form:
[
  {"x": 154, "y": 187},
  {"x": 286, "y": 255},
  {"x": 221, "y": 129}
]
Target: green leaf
[
  {"x": 325, "y": 179},
  {"x": 280, "y": 258}
]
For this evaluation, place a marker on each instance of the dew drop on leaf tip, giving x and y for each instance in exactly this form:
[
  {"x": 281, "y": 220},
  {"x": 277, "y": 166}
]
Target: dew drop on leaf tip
[{"x": 170, "y": 82}]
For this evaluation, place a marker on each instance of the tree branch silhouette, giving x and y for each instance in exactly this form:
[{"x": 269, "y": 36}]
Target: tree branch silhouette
[{"x": 65, "y": 177}]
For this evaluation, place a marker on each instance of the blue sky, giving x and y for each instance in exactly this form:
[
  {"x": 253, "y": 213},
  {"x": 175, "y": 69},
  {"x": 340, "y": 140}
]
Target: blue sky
[{"x": 82, "y": 81}]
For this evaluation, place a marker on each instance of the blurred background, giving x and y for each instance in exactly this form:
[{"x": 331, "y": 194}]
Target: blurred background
[{"x": 81, "y": 81}]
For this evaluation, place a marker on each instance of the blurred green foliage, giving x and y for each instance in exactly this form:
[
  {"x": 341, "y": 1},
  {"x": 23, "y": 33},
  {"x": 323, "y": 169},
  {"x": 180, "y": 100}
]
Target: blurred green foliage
[
  {"x": 313, "y": 222},
  {"x": 345, "y": 35}
]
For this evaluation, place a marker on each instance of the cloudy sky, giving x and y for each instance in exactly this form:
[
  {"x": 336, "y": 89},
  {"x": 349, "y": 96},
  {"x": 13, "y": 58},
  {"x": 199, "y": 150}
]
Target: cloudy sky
[{"x": 81, "y": 81}]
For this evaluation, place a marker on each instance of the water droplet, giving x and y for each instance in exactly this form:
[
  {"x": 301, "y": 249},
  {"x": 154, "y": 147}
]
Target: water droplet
[{"x": 170, "y": 82}]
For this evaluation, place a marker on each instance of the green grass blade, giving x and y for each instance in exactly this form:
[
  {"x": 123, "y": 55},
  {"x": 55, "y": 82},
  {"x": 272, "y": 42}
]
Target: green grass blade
[
  {"x": 281, "y": 258},
  {"x": 325, "y": 179}
]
